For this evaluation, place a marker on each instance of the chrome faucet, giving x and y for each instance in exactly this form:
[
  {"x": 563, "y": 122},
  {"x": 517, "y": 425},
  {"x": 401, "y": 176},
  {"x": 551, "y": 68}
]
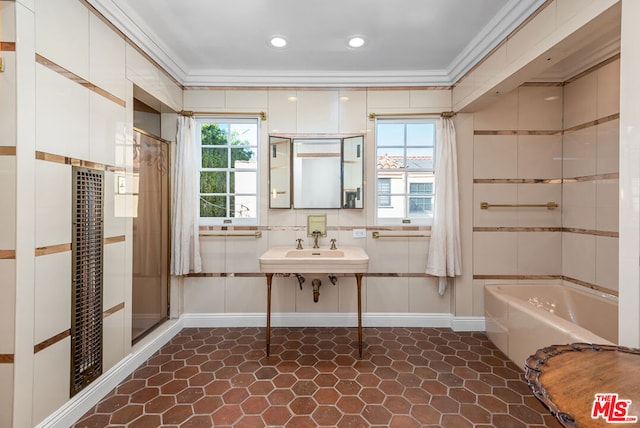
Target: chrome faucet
[
  {"x": 316, "y": 234},
  {"x": 299, "y": 244},
  {"x": 333, "y": 244}
]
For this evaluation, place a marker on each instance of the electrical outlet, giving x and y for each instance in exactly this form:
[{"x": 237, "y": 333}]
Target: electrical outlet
[{"x": 359, "y": 233}]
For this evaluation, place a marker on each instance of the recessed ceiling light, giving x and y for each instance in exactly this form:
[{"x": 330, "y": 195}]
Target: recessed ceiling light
[
  {"x": 344, "y": 98},
  {"x": 278, "y": 42},
  {"x": 356, "y": 42},
  {"x": 552, "y": 98},
  {"x": 292, "y": 98}
]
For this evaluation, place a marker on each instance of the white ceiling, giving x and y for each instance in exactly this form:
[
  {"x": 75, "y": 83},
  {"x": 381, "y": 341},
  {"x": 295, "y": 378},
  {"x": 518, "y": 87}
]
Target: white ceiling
[{"x": 408, "y": 42}]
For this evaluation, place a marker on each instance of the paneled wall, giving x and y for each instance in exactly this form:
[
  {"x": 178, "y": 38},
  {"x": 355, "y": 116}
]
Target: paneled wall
[
  {"x": 7, "y": 209},
  {"x": 75, "y": 96},
  {"x": 396, "y": 283},
  {"x": 590, "y": 178},
  {"x": 518, "y": 160},
  {"x": 549, "y": 143}
]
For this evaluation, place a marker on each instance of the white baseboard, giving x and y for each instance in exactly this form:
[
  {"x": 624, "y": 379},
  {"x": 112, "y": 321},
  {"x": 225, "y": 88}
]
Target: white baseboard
[
  {"x": 468, "y": 324},
  {"x": 77, "y": 406},
  {"x": 81, "y": 403},
  {"x": 333, "y": 319}
]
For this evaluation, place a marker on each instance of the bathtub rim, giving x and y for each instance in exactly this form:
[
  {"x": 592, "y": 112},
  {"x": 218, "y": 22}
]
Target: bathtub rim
[{"x": 580, "y": 334}]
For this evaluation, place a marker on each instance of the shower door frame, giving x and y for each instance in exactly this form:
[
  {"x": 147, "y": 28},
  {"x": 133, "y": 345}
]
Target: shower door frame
[{"x": 166, "y": 143}]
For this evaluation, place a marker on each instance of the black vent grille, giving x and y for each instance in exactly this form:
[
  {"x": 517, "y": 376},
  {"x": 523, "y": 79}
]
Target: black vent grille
[{"x": 87, "y": 255}]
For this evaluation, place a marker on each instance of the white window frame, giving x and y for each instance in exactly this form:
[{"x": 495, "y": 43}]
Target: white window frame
[
  {"x": 229, "y": 220},
  {"x": 404, "y": 194}
]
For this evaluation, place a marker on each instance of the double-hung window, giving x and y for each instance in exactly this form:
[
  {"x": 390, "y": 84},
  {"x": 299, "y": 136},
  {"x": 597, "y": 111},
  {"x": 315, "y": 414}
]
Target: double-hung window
[
  {"x": 228, "y": 170},
  {"x": 405, "y": 161}
]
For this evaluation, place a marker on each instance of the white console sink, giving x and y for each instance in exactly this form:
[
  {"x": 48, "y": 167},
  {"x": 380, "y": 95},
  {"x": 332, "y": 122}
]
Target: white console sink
[{"x": 314, "y": 260}]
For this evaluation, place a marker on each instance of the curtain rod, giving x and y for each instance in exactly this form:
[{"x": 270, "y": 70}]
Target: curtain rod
[
  {"x": 444, "y": 114},
  {"x": 187, "y": 113}
]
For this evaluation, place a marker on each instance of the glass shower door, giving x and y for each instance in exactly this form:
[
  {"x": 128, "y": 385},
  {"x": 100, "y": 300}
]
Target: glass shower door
[{"x": 150, "y": 302}]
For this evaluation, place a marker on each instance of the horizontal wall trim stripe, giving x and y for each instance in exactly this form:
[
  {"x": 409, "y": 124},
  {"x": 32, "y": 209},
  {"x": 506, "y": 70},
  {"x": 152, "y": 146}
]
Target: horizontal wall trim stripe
[
  {"x": 114, "y": 239},
  {"x": 516, "y": 229},
  {"x": 7, "y": 46},
  {"x": 576, "y": 128},
  {"x": 339, "y": 275},
  {"x": 50, "y": 157},
  {"x": 7, "y": 150},
  {"x": 52, "y": 249},
  {"x": 590, "y": 285},
  {"x": 607, "y": 233},
  {"x": 51, "y": 341},
  {"x": 541, "y": 84},
  {"x": 7, "y": 254},
  {"x": 319, "y": 88},
  {"x": 6, "y": 358},
  {"x": 304, "y": 228},
  {"x": 61, "y": 248},
  {"x": 75, "y": 78},
  {"x": 592, "y": 123},
  {"x": 517, "y": 180},
  {"x": 519, "y": 277},
  {"x": 546, "y": 278},
  {"x": 113, "y": 310},
  {"x": 517, "y": 132},
  {"x": 596, "y": 177}
]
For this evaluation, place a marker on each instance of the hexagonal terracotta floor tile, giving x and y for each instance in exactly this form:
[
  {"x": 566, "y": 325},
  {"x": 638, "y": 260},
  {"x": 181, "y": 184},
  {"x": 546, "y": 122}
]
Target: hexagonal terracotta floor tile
[{"x": 407, "y": 377}]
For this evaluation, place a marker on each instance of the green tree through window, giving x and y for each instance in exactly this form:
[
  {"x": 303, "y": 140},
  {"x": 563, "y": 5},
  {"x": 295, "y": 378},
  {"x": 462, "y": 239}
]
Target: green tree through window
[{"x": 228, "y": 155}]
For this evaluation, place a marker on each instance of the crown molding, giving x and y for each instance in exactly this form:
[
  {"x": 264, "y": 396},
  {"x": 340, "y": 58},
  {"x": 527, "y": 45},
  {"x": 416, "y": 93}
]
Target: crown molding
[
  {"x": 317, "y": 78},
  {"x": 514, "y": 13},
  {"x": 129, "y": 23}
]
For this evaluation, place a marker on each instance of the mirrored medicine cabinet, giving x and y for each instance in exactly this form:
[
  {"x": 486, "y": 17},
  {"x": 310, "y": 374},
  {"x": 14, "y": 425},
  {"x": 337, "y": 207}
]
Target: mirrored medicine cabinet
[{"x": 316, "y": 171}]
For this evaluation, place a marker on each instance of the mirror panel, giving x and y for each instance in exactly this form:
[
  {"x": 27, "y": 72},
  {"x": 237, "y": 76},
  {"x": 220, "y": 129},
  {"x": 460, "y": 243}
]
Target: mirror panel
[
  {"x": 352, "y": 167},
  {"x": 316, "y": 173},
  {"x": 279, "y": 172}
]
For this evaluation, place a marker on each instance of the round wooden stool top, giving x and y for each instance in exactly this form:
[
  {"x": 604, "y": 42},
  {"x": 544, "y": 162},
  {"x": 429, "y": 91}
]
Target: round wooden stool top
[{"x": 569, "y": 379}]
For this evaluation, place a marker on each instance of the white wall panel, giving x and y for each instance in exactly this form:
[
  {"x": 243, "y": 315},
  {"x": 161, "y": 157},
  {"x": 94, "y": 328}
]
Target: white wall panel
[
  {"x": 114, "y": 275},
  {"x": 318, "y": 112},
  {"x": 53, "y": 203},
  {"x": 52, "y": 295},
  {"x": 62, "y": 115},
  {"x": 62, "y": 34},
  {"x": 106, "y": 130},
  {"x": 8, "y": 98},
  {"x": 113, "y": 340},
  {"x": 51, "y": 374},
  {"x": 107, "y": 54},
  {"x": 7, "y": 306},
  {"x": 8, "y": 205}
]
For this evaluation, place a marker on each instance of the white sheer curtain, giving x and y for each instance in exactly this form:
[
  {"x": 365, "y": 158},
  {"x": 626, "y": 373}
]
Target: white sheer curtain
[
  {"x": 444, "y": 249},
  {"x": 185, "y": 204}
]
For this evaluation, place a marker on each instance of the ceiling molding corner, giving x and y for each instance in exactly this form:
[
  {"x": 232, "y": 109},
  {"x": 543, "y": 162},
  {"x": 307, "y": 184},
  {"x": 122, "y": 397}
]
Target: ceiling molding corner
[
  {"x": 128, "y": 23},
  {"x": 514, "y": 13}
]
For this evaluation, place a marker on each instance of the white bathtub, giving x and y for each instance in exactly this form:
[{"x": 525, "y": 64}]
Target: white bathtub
[{"x": 522, "y": 318}]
